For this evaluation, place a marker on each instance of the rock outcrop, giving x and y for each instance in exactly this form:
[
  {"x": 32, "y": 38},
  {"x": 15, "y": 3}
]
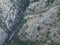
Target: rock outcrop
[
  {"x": 3, "y": 36},
  {"x": 11, "y": 17},
  {"x": 41, "y": 22},
  {"x": 30, "y": 20}
]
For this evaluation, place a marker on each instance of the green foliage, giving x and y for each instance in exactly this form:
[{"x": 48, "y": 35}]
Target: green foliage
[
  {"x": 38, "y": 28},
  {"x": 18, "y": 42},
  {"x": 47, "y": 33},
  {"x": 54, "y": 43},
  {"x": 34, "y": 1},
  {"x": 58, "y": 14},
  {"x": 50, "y": 1},
  {"x": 24, "y": 4}
]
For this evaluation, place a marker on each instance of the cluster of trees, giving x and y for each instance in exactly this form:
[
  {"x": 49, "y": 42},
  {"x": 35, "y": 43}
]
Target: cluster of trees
[
  {"x": 34, "y": 1},
  {"x": 48, "y": 2},
  {"x": 58, "y": 14},
  {"x": 24, "y": 4}
]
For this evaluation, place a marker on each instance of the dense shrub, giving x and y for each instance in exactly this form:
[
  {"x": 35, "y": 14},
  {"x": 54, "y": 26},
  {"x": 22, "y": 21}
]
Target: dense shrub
[{"x": 24, "y": 4}]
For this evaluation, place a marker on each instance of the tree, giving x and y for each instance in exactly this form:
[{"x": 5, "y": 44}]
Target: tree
[{"x": 24, "y": 4}]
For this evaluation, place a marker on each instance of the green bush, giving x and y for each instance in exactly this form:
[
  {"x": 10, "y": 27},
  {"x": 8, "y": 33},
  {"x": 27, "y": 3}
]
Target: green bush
[
  {"x": 24, "y": 4},
  {"x": 58, "y": 14},
  {"x": 50, "y": 1}
]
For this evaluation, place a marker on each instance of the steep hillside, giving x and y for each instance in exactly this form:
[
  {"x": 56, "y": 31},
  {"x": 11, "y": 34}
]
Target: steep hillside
[
  {"x": 11, "y": 17},
  {"x": 29, "y": 22},
  {"x": 42, "y": 26}
]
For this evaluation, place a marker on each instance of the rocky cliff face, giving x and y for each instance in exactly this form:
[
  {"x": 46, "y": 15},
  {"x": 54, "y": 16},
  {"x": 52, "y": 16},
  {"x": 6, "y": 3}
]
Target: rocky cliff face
[
  {"x": 10, "y": 17},
  {"x": 31, "y": 21},
  {"x": 42, "y": 25},
  {"x": 3, "y": 36}
]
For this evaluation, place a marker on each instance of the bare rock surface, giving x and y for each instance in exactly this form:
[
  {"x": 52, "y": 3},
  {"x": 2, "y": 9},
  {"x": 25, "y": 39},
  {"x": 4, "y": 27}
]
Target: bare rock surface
[{"x": 3, "y": 36}]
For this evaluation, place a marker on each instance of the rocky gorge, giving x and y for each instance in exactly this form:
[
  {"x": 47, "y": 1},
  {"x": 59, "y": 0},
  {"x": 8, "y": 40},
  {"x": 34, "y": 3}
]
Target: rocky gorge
[{"x": 29, "y": 22}]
